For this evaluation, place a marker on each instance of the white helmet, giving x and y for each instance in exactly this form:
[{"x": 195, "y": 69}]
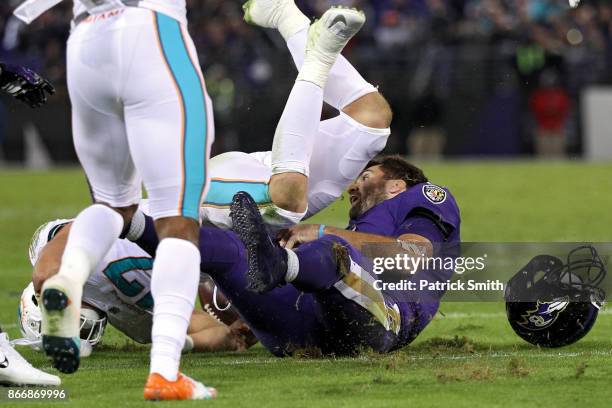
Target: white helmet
[
  {"x": 30, "y": 318},
  {"x": 42, "y": 236}
]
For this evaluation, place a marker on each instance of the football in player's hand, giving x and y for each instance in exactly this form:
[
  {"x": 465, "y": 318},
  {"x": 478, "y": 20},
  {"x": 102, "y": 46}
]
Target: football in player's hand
[{"x": 215, "y": 303}]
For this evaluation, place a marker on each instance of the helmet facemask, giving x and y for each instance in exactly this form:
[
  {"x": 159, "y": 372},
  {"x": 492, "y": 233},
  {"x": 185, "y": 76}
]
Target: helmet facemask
[
  {"x": 582, "y": 274},
  {"x": 92, "y": 326}
]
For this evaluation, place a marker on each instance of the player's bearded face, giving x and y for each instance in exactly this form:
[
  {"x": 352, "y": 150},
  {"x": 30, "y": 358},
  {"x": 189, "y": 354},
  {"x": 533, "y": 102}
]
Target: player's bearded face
[{"x": 367, "y": 191}]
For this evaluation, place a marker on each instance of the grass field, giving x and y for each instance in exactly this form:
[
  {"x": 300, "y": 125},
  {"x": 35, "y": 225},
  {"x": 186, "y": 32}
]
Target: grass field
[{"x": 467, "y": 357}]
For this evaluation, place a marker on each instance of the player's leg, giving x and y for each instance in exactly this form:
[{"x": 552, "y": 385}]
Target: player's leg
[
  {"x": 101, "y": 145},
  {"x": 344, "y": 84},
  {"x": 354, "y": 313},
  {"x": 170, "y": 129},
  {"x": 294, "y": 138},
  {"x": 347, "y": 142},
  {"x": 229, "y": 173},
  {"x": 283, "y": 320}
]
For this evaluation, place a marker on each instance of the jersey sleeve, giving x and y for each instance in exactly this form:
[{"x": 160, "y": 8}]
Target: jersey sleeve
[
  {"x": 423, "y": 226},
  {"x": 430, "y": 202}
]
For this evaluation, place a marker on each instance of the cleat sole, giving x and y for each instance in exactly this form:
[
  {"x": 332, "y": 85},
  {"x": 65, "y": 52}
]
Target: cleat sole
[
  {"x": 64, "y": 351},
  {"x": 250, "y": 228},
  {"x": 55, "y": 300}
]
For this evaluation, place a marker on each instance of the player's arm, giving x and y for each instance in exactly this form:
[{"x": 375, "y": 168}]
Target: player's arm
[
  {"x": 210, "y": 335},
  {"x": 300, "y": 234},
  {"x": 25, "y": 85},
  {"x": 50, "y": 258}
]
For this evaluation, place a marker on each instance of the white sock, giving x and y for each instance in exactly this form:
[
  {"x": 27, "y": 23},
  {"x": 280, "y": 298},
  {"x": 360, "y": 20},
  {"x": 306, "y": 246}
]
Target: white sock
[
  {"x": 344, "y": 84},
  {"x": 293, "y": 266},
  {"x": 297, "y": 128},
  {"x": 292, "y": 21},
  {"x": 137, "y": 226},
  {"x": 278, "y": 218},
  {"x": 174, "y": 283},
  {"x": 92, "y": 234}
]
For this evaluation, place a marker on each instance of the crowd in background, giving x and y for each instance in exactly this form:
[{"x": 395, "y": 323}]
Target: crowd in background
[{"x": 426, "y": 55}]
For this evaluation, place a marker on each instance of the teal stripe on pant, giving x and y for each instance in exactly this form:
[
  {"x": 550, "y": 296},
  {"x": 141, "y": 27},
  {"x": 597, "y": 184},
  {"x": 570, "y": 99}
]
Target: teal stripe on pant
[
  {"x": 194, "y": 109},
  {"x": 221, "y": 192}
]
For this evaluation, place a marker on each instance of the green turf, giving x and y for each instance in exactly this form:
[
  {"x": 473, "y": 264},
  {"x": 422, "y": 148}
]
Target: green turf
[{"x": 467, "y": 357}]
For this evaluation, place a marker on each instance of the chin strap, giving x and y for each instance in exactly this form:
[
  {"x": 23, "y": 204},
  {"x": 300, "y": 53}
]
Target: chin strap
[{"x": 26, "y": 342}]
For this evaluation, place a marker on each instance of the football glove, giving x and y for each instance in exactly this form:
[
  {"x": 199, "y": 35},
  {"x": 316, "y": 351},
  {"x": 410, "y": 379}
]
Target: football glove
[{"x": 25, "y": 85}]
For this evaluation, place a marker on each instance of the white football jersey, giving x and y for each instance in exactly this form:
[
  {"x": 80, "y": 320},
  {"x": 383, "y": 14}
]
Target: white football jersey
[
  {"x": 121, "y": 287},
  {"x": 177, "y": 9}
]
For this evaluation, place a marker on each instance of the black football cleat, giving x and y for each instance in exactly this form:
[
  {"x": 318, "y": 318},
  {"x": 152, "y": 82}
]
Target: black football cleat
[{"x": 267, "y": 260}]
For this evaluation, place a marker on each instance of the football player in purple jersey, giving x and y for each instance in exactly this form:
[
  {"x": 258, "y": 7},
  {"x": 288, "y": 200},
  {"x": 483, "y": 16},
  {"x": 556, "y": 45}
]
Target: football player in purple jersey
[{"x": 314, "y": 288}]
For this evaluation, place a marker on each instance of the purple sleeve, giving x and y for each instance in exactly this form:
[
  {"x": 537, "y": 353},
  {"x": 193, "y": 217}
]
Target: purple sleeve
[
  {"x": 422, "y": 226},
  {"x": 148, "y": 241}
]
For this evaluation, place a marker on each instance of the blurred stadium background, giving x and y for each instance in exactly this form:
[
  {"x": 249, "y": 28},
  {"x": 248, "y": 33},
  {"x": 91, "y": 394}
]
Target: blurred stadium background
[{"x": 510, "y": 78}]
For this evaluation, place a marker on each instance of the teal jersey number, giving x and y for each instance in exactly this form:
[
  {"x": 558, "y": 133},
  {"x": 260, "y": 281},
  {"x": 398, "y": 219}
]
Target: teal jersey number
[{"x": 115, "y": 271}]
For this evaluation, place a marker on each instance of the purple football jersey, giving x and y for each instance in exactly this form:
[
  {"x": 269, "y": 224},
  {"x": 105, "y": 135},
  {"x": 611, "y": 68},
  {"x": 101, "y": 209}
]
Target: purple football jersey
[
  {"x": 389, "y": 217},
  {"x": 393, "y": 218}
]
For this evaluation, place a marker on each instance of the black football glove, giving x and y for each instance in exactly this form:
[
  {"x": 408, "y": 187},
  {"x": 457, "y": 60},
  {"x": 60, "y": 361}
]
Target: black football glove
[{"x": 25, "y": 85}]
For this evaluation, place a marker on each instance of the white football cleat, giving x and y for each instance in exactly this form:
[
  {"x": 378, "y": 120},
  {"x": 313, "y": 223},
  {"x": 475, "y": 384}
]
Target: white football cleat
[
  {"x": 16, "y": 371},
  {"x": 330, "y": 34},
  {"x": 326, "y": 39},
  {"x": 283, "y": 15},
  {"x": 60, "y": 306}
]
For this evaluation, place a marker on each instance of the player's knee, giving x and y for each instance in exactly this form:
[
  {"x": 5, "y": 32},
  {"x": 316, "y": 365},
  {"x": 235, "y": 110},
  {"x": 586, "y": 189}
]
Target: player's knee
[
  {"x": 289, "y": 191},
  {"x": 371, "y": 110},
  {"x": 178, "y": 227}
]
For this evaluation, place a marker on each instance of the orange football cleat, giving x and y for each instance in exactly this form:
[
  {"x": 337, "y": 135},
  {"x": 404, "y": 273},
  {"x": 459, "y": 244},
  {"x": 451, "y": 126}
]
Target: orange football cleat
[{"x": 184, "y": 388}]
